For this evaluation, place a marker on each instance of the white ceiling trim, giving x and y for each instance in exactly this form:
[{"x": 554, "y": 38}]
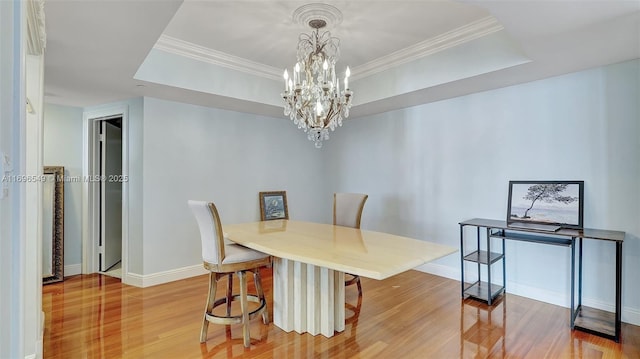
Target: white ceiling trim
[
  {"x": 36, "y": 34},
  {"x": 219, "y": 58},
  {"x": 466, "y": 33},
  {"x": 469, "y": 32}
]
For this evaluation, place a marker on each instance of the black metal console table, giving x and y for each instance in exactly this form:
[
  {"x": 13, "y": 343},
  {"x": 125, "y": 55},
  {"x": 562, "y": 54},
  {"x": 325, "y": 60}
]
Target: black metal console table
[{"x": 591, "y": 320}]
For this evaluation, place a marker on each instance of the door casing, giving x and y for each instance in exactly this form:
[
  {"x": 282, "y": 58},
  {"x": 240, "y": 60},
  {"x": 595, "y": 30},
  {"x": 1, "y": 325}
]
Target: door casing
[
  {"x": 91, "y": 189},
  {"x": 111, "y": 232}
]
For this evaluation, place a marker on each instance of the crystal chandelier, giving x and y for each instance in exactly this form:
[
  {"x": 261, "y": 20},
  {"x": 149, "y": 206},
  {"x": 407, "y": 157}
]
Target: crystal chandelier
[{"x": 312, "y": 96}]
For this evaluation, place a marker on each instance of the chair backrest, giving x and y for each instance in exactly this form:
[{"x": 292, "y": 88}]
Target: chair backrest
[
  {"x": 347, "y": 209},
  {"x": 210, "y": 231}
]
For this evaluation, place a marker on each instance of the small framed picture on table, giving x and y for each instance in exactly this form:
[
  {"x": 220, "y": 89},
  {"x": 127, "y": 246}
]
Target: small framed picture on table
[{"x": 273, "y": 205}]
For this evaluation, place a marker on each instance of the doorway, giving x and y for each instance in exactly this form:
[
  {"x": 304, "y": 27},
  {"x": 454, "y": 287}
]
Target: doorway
[
  {"x": 104, "y": 188},
  {"x": 109, "y": 148},
  {"x": 92, "y": 190}
]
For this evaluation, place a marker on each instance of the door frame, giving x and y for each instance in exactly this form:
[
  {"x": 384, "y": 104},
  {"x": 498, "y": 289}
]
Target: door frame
[{"x": 90, "y": 190}]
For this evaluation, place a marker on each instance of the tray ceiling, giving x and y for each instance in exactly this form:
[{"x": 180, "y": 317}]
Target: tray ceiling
[{"x": 230, "y": 54}]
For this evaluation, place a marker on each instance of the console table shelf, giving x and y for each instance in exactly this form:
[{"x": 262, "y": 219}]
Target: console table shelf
[
  {"x": 559, "y": 241},
  {"x": 595, "y": 321},
  {"x": 480, "y": 290},
  {"x": 483, "y": 289},
  {"x": 591, "y": 320},
  {"x": 481, "y": 257}
]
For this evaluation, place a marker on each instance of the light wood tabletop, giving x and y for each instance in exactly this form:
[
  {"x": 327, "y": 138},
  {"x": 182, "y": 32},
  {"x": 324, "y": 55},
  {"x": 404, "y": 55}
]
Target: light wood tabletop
[
  {"x": 370, "y": 254},
  {"x": 310, "y": 262}
]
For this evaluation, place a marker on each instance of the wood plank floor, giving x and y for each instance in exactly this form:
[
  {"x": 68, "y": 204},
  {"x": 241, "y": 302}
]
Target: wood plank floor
[{"x": 411, "y": 315}]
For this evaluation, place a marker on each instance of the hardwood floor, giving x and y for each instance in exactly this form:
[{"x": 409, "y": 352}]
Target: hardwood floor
[{"x": 411, "y": 315}]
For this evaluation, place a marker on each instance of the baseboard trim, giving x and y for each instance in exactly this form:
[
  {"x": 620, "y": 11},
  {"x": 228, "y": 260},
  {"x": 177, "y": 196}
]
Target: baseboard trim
[
  {"x": 440, "y": 270},
  {"x": 72, "y": 269},
  {"x": 629, "y": 315},
  {"x": 540, "y": 294},
  {"x": 148, "y": 280}
]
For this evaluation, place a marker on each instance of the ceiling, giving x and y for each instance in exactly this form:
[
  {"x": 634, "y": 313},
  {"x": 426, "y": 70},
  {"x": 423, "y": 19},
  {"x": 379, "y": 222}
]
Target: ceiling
[{"x": 231, "y": 54}]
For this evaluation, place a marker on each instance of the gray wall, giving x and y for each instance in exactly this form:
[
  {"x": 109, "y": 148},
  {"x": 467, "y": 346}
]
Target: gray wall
[
  {"x": 63, "y": 147},
  {"x": 428, "y": 167},
  {"x": 193, "y": 152}
]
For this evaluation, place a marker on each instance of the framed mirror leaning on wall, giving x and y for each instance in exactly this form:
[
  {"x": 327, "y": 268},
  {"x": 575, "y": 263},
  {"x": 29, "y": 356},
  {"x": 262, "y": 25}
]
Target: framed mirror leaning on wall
[{"x": 53, "y": 224}]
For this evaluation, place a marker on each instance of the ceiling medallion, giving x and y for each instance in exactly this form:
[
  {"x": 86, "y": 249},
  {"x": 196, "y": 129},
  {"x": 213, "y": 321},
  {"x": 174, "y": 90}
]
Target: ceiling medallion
[
  {"x": 307, "y": 13},
  {"x": 312, "y": 95}
]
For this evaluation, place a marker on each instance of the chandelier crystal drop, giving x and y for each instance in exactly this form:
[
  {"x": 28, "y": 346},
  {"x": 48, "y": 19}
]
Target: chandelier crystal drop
[{"x": 312, "y": 95}]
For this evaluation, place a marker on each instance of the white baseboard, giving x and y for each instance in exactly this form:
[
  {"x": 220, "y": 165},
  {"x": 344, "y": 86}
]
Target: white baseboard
[
  {"x": 540, "y": 294},
  {"x": 72, "y": 269},
  {"x": 148, "y": 280},
  {"x": 629, "y": 315},
  {"x": 440, "y": 270}
]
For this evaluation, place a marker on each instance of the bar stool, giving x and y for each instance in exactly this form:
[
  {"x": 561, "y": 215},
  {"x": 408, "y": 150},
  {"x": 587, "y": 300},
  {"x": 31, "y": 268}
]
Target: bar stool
[{"x": 223, "y": 258}]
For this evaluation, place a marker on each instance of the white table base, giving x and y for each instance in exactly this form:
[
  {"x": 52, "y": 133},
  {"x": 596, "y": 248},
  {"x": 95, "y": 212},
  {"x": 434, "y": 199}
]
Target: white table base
[{"x": 307, "y": 298}]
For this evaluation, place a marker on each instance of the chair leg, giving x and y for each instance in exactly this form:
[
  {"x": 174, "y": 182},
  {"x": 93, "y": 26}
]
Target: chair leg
[
  {"x": 229, "y": 293},
  {"x": 211, "y": 297},
  {"x": 355, "y": 279},
  {"x": 246, "y": 336},
  {"x": 258, "y": 283}
]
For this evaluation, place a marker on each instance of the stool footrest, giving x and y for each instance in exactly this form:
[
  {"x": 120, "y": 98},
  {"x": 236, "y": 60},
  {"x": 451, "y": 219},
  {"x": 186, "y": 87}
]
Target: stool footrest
[{"x": 235, "y": 319}]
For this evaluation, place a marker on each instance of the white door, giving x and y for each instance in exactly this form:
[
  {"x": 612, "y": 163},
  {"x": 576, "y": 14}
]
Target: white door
[{"x": 111, "y": 195}]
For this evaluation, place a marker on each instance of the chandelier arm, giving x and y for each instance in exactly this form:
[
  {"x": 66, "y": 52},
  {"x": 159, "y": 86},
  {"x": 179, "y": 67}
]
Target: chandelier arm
[
  {"x": 305, "y": 104},
  {"x": 320, "y": 48},
  {"x": 330, "y": 114},
  {"x": 300, "y": 114},
  {"x": 304, "y": 38}
]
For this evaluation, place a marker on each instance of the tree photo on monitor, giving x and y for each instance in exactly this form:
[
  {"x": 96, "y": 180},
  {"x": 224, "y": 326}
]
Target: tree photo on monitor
[
  {"x": 548, "y": 193},
  {"x": 548, "y": 202}
]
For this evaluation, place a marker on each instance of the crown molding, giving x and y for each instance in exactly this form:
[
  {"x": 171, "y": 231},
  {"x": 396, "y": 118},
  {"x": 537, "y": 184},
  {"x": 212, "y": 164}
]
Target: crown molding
[
  {"x": 455, "y": 37},
  {"x": 36, "y": 34},
  {"x": 219, "y": 58},
  {"x": 466, "y": 33}
]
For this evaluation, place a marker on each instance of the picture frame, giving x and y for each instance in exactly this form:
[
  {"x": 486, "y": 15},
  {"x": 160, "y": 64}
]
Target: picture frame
[
  {"x": 553, "y": 203},
  {"x": 273, "y": 205},
  {"x": 53, "y": 224}
]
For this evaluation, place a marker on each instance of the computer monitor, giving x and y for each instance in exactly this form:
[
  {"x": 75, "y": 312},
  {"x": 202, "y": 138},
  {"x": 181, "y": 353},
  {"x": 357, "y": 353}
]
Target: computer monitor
[{"x": 555, "y": 203}]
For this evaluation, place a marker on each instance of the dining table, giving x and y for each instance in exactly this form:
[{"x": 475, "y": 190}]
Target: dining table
[{"x": 310, "y": 261}]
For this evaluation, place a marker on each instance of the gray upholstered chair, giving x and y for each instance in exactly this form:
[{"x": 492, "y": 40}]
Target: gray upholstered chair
[
  {"x": 223, "y": 258},
  {"x": 347, "y": 211}
]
